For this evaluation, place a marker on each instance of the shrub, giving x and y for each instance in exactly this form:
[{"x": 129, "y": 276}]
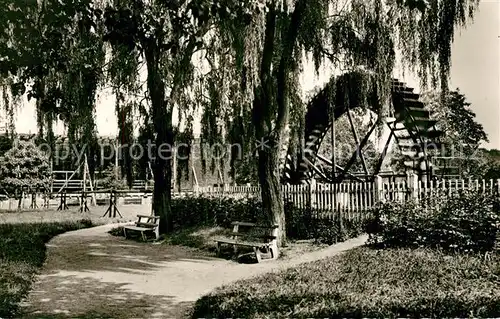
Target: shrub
[
  {"x": 465, "y": 223},
  {"x": 203, "y": 211},
  {"x": 303, "y": 223}
]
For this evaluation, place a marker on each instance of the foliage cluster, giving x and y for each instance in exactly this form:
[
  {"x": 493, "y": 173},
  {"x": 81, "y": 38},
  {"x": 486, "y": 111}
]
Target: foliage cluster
[
  {"x": 466, "y": 223},
  {"x": 487, "y": 164},
  {"x": 22, "y": 253},
  {"x": 364, "y": 282}
]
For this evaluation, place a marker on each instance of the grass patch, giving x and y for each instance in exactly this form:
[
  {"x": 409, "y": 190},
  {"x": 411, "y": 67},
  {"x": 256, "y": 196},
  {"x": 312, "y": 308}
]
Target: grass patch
[
  {"x": 22, "y": 253},
  {"x": 199, "y": 237},
  {"x": 366, "y": 282}
]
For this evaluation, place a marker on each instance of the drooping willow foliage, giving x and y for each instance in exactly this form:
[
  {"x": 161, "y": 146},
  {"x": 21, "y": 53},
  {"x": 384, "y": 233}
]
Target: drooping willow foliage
[
  {"x": 162, "y": 37},
  {"x": 344, "y": 35},
  {"x": 123, "y": 74},
  {"x": 10, "y": 103},
  {"x": 53, "y": 52}
]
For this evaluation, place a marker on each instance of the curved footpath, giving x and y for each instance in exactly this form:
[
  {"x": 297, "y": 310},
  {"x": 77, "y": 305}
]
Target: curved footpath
[{"x": 91, "y": 274}]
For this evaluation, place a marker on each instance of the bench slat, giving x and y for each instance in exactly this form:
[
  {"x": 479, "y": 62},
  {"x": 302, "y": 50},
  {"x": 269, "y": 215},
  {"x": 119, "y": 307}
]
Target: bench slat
[
  {"x": 257, "y": 236},
  {"x": 150, "y": 225},
  {"x": 146, "y": 216},
  {"x": 254, "y": 225},
  {"x": 137, "y": 228},
  {"x": 241, "y": 243}
]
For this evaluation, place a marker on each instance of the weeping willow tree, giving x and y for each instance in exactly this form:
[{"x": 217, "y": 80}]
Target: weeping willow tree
[
  {"x": 269, "y": 40},
  {"x": 54, "y": 53},
  {"x": 166, "y": 37}
]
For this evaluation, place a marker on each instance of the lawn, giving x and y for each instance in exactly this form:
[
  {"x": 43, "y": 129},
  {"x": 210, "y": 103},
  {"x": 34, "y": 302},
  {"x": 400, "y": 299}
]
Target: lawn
[
  {"x": 367, "y": 282},
  {"x": 22, "y": 253}
]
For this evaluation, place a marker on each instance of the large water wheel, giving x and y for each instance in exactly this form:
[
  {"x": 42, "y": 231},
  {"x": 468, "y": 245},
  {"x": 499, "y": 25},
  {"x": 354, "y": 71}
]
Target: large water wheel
[{"x": 409, "y": 123}]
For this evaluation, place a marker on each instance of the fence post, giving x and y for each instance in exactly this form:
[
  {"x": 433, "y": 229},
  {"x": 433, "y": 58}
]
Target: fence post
[
  {"x": 379, "y": 190},
  {"x": 312, "y": 194},
  {"x": 412, "y": 185}
]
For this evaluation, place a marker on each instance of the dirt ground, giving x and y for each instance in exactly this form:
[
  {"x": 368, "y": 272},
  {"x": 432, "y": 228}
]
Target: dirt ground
[{"x": 91, "y": 274}]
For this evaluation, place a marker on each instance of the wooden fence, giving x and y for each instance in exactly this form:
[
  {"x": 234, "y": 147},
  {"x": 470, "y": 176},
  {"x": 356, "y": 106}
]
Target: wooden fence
[{"x": 358, "y": 197}]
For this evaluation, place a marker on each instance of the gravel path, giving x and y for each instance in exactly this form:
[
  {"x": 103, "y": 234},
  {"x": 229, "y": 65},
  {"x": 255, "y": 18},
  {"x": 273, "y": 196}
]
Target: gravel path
[{"x": 91, "y": 274}]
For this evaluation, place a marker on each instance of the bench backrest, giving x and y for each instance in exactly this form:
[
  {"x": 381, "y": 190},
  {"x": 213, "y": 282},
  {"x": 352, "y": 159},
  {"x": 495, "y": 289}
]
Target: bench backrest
[
  {"x": 255, "y": 232},
  {"x": 148, "y": 221}
]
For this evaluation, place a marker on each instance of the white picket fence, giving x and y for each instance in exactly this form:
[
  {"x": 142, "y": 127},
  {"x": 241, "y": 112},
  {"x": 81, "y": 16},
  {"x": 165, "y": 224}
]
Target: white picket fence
[{"x": 353, "y": 198}]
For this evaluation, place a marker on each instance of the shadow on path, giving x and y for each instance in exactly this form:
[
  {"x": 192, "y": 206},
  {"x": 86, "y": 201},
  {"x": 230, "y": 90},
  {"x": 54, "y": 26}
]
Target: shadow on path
[{"x": 91, "y": 274}]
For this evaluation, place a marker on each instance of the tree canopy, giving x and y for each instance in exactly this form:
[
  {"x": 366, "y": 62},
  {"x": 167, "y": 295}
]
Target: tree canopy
[{"x": 254, "y": 50}]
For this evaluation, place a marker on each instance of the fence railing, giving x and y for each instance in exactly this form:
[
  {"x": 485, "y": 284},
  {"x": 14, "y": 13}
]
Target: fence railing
[{"x": 359, "y": 196}]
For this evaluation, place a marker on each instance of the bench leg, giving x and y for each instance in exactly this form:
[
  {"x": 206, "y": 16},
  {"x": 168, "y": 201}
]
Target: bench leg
[
  {"x": 143, "y": 236},
  {"x": 274, "y": 251},
  {"x": 125, "y": 233},
  {"x": 257, "y": 253},
  {"x": 157, "y": 233},
  {"x": 218, "y": 249}
]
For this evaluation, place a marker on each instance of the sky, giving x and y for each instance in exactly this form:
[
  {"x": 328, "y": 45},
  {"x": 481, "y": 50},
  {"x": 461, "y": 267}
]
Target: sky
[{"x": 475, "y": 71}]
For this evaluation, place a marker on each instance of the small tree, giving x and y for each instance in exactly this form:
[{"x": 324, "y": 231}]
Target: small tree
[
  {"x": 462, "y": 133},
  {"x": 24, "y": 167},
  {"x": 110, "y": 179}
]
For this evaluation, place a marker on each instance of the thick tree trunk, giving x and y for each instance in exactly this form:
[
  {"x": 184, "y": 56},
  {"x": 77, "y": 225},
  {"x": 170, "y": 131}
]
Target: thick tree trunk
[
  {"x": 162, "y": 121},
  {"x": 162, "y": 192},
  {"x": 271, "y": 111},
  {"x": 269, "y": 178}
]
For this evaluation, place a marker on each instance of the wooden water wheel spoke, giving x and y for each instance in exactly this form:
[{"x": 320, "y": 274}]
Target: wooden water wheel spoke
[
  {"x": 355, "y": 153},
  {"x": 355, "y": 134},
  {"x": 384, "y": 152}
]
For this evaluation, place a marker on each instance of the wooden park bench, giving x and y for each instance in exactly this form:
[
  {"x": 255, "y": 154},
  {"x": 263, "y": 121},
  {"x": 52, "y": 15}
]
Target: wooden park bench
[
  {"x": 151, "y": 224},
  {"x": 258, "y": 237}
]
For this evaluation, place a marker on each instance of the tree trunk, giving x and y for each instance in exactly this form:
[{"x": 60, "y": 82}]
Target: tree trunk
[
  {"x": 162, "y": 193},
  {"x": 20, "y": 203},
  {"x": 273, "y": 107},
  {"x": 272, "y": 199},
  {"x": 162, "y": 122}
]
